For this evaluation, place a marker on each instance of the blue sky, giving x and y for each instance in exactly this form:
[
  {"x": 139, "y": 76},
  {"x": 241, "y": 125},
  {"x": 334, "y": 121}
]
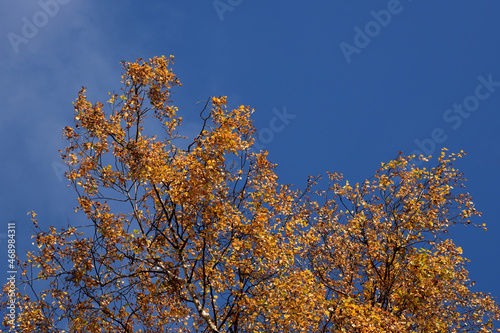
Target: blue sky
[{"x": 352, "y": 83}]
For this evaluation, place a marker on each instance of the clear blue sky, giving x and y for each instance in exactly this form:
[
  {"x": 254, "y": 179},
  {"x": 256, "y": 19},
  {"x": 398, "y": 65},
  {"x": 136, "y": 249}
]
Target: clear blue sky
[{"x": 359, "y": 81}]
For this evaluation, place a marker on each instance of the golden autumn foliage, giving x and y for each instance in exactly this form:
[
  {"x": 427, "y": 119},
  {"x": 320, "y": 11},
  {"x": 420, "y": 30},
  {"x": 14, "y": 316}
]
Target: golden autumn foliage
[{"x": 204, "y": 239}]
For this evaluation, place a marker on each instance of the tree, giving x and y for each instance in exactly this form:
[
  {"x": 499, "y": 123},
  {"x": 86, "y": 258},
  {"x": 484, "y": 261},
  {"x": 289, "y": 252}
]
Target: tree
[{"x": 204, "y": 239}]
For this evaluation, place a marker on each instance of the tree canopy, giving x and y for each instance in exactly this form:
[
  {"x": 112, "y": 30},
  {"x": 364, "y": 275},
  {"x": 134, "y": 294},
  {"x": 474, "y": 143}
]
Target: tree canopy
[{"x": 203, "y": 238}]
